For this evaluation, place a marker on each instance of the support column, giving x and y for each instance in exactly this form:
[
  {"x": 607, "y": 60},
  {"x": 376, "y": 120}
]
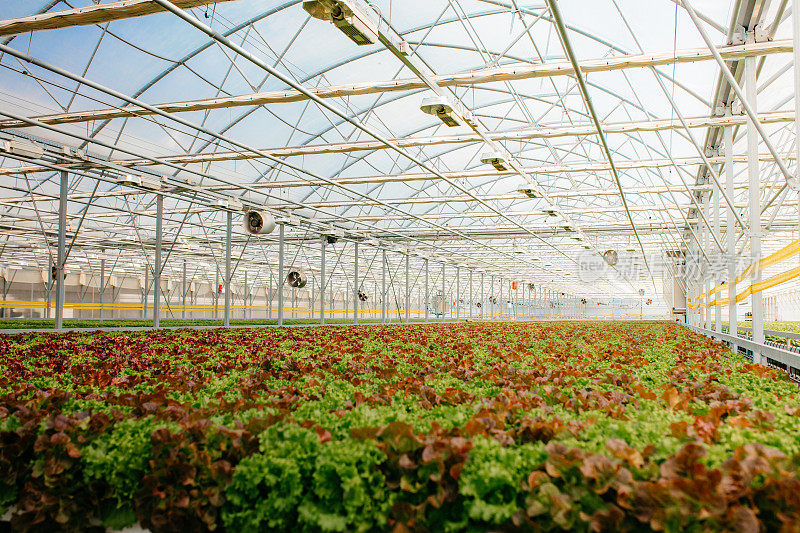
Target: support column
[
  {"x": 383, "y": 288},
  {"x": 408, "y": 290},
  {"x": 471, "y": 301},
  {"x": 492, "y": 297},
  {"x": 502, "y": 302},
  {"x": 61, "y": 257},
  {"x": 718, "y": 270},
  {"x": 216, "y": 290},
  {"x": 706, "y": 278},
  {"x": 322, "y": 281},
  {"x": 754, "y": 197},
  {"x": 244, "y": 311},
  {"x": 145, "y": 292},
  {"x": 183, "y": 297},
  {"x": 444, "y": 298},
  {"x": 458, "y": 293},
  {"x": 102, "y": 283},
  {"x": 355, "y": 284},
  {"x": 280, "y": 273},
  {"x": 157, "y": 263},
  {"x": 228, "y": 230},
  {"x": 427, "y": 292},
  {"x": 483, "y": 294},
  {"x": 796, "y": 56}
]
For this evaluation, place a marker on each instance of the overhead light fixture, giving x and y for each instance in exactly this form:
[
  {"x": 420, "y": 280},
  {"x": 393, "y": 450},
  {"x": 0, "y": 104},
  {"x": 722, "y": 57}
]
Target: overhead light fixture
[
  {"x": 530, "y": 193},
  {"x": 441, "y": 108},
  {"x": 29, "y": 150},
  {"x": 495, "y": 159},
  {"x": 550, "y": 212},
  {"x": 129, "y": 180},
  {"x": 348, "y": 16},
  {"x": 133, "y": 180}
]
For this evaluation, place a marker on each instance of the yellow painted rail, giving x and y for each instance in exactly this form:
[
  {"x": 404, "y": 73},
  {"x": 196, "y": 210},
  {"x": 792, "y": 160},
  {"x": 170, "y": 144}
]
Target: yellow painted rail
[{"x": 790, "y": 250}]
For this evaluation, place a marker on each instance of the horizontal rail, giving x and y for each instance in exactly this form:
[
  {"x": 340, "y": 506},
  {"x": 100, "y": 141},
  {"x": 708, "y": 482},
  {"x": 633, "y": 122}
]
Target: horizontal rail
[
  {"x": 790, "y": 359},
  {"x": 464, "y": 79},
  {"x": 775, "y": 333},
  {"x": 87, "y": 15}
]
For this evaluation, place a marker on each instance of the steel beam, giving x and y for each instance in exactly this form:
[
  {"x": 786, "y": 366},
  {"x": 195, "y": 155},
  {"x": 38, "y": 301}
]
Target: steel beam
[
  {"x": 61, "y": 257},
  {"x": 356, "y": 282},
  {"x": 754, "y": 196},
  {"x": 280, "y": 273},
  {"x": 157, "y": 265},
  {"x": 408, "y": 289},
  {"x": 383, "y": 287},
  {"x": 228, "y": 230},
  {"x": 88, "y": 15},
  {"x": 749, "y": 109},
  {"x": 469, "y": 78},
  {"x": 322, "y": 280}
]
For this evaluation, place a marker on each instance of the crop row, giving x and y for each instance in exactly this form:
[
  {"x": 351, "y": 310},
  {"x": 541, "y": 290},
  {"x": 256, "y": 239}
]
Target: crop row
[{"x": 446, "y": 427}]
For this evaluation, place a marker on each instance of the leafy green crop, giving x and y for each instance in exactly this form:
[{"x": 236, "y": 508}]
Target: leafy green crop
[{"x": 573, "y": 426}]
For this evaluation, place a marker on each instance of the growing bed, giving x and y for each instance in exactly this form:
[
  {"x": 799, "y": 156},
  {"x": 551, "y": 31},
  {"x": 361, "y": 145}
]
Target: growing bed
[{"x": 447, "y": 427}]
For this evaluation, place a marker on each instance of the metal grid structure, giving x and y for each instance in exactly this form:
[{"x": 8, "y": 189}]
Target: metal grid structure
[{"x": 137, "y": 134}]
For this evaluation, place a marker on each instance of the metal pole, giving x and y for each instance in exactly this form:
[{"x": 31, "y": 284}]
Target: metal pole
[
  {"x": 244, "y": 312},
  {"x": 483, "y": 293},
  {"x": 444, "y": 300},
  {"x": 706, "y": 280},
  {"x": 796, "y": 51},
  {"x": 470, "y": 294},
  {"x": 383, "y": 288},
  {"x": 718, "y": 277},
  {"x": 408, "y": 289},
  {"x": 49, "y": 289},
  {"x": 458, "y": 293},
  {"x": 754, "y": 197},
  {"x": 228, "y": 269},
  {"x": 102, "y": 283},
  {"x": 427, "y": 291},
  {"x": 355, "y": 285},
  {"x": 145, "y": 292},
  {"x": 62, "y": 237},
  {"x": 183, "y": 297},
  {"x": 216, "y": 290},
  {"x": 502, "y": 302},
  {"x": 748, "y": 101},
  {"x": 280, "y": 274},
  {"x": 157, "y": 263},
  {"x": 322, "y": 282},
  {"x": 491, "y": 296}
]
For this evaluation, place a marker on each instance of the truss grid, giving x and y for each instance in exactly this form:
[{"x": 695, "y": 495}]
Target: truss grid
[{"x": 135, "y": 151}]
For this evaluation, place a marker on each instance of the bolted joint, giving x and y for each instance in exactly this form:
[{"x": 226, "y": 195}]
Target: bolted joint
[
  {"x": 738, "y": 36},
  {"x": 761, "y": 34}
]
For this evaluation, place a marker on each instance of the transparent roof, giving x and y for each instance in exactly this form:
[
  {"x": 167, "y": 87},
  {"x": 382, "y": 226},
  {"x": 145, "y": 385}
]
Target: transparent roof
[{"x": 203, "y": 118}]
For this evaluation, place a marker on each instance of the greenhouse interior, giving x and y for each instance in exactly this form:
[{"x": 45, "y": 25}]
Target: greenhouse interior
[{"x": 382, "y": 265}]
